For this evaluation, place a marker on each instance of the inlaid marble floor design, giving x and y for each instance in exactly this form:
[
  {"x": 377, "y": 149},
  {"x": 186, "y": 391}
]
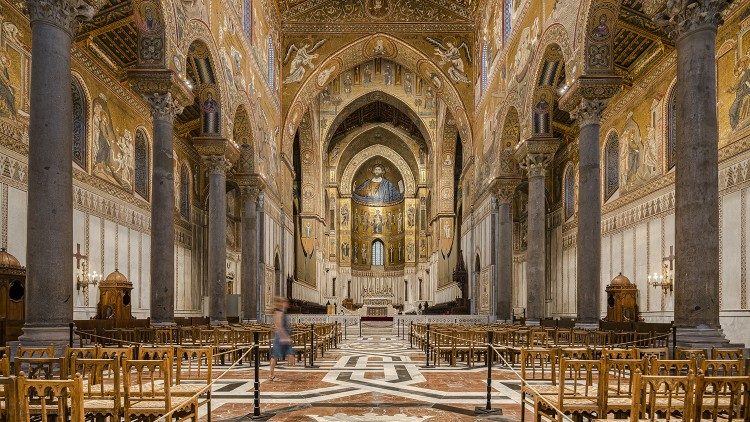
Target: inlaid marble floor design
[{"x": 372, "y": 378}]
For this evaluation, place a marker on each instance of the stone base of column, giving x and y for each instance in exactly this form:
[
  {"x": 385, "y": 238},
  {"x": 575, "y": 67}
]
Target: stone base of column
[
  {"x": 219, "y": 322},
  {"x": 703, "y": 337},
  {"x": 57, "y": 336}
]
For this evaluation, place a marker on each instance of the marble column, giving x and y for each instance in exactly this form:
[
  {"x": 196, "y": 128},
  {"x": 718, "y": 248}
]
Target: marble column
[
  {"x": 167, "y": 94},
  {"x": 217, "y": 237},
  {"x": 504, "y": 250},
  {"x": 260, "y": 289},
  {"x": 249, "y": 280},
  {"x": 588, "y": 238},
  {"x": 163, "y": 111},
  {"x": 536, "y": 263},
  {"x": 49, "y": 285},
  {"x": 693, "y": 26}
]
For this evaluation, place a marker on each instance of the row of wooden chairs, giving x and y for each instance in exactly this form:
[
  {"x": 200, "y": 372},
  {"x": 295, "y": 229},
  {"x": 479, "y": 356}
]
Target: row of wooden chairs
[{"x": 113, "y": 384}]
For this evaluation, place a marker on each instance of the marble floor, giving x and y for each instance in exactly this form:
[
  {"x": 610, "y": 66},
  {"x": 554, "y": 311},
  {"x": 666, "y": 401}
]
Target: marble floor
[{"x": 376, "y": 377}]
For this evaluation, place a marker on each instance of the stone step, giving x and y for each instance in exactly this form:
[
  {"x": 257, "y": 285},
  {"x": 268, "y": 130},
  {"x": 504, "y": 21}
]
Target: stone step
[{"x": 703, "y": 337}]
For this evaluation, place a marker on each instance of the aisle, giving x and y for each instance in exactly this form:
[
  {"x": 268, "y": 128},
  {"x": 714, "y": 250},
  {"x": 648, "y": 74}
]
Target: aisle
[{"x": 372, "y": 378}]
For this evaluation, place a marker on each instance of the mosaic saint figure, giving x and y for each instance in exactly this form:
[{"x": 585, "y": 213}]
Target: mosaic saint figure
[
  {"x": 7, "y": 92},
  {"x": 378, "y": 190},
  {"x": 377, "y": 223}
]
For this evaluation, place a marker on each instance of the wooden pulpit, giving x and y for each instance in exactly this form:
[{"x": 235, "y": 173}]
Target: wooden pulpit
[
  {"x": 114, "y": 298},
  {"x": 622, "y": 300}
]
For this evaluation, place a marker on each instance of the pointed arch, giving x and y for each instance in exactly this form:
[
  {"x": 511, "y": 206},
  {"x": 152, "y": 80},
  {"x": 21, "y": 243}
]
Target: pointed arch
[
  {"x": 185, "y": 191},
  {"x": 569, "y": 194},
  {"x": 80, "y": 123},
  {"x": 142, "y": 165},
  {"x": 395, "y": 50},
  {"x": 670, "y": 145},
  {"x": 611, "y": 165},
  {"x": 242, "y": 134}
]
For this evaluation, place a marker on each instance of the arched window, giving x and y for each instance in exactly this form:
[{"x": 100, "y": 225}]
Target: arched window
[
  {"x": 377, "y": 252},
  {"x": 485, "y": 65},
  {"x": 569, "y": 186},
  {"x": 141, "y": 163},
  {"x": 184, "y": 192},
  {"x": 611, "y": 165},
  {"x": 247, "y": 19},
  {"x": 507, "y": 20},
  {"x": 80, "y": 111},
  {"x": 271, "y": 63},
  {"x": 671, "y": 129}
]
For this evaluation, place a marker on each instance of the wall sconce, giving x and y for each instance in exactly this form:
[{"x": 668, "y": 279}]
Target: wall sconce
[
  {"x": 86, "y": 278},
  {"x": 660, "y": 280}
]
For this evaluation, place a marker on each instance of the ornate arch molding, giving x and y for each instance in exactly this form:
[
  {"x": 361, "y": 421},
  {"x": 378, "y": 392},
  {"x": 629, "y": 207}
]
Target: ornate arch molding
[
  {"x": 198, "y": 31},
  {"x": 376, "y": 95},
  {"x": 347, "y": 177},
  {"x": 555, "y": 38},
  {"x": 594, "y": 36},
  {"x": 360, "y": 51},
  {"x": 352, "y": 136}
]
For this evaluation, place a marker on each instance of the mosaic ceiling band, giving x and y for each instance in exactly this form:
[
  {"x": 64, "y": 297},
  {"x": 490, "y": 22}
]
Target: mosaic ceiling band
[{"x": 416, "y": 164}]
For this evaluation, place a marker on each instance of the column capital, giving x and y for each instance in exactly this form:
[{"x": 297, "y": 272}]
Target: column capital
[
  {"x": 217, "y": 164},
  {"x": 64, "y": 14},
  {"x": 589, "y": 111},
  {"x": 162, "y": 89},
  {"x": 504, "y": 188},
  {"x": 208, "y": 146},
  {"x": 599, "y": 87},
  {"x": 535, "y": 153},
  {"x": 536, "y": 164},
  {"x": 681, "y": 17}
]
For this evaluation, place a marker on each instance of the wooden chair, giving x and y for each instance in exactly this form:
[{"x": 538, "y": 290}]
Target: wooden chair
[
  {"x": 663, "y": 397},
  {"x": 723, "y": 367},
  {"x": 124, "y": 353},
  {"x": 539, "y": 373},
  {"x": 672, "y": 366},
  {"x": 35, "y": 352},
  {"x": 156, "y": 353},
  {"x": 684, "y": 353},
  {"x": 722, "y": 398},
  {"x": 660, "y": 398},
  {"x": 723, "y": 353},
  {"x": 148, "y": 394},
  {"x": 40, "y": 368},
  {"x": 47, "y": 400},
  {"x": 648, "y": 352},
  {"x": 102, "y": 388},
  {"x": 9, "y": 411},
  {"x": 577, "y": 395},
  {"x": 620, "y": 353},
  {"x": 195, "y": 365},
  {"x": 617, "y": 381}
]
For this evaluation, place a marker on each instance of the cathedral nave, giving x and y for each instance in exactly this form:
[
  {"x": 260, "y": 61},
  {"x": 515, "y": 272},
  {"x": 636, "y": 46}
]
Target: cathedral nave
[{"x": 439, "y": 209}]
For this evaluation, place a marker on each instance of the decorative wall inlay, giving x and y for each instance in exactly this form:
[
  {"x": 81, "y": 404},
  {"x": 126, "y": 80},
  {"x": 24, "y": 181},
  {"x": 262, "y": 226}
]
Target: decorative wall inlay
[
  {"x": 743, "y": 249},
  {"x": 4, "y": 210}
]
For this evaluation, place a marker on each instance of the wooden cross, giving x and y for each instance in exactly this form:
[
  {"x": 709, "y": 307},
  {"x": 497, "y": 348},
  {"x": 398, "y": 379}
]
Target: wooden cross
[
  {"x": 79, "y": 256},
  {"x": 670, "y": 258}
]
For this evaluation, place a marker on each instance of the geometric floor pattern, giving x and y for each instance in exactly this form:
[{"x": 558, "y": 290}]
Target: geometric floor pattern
[{"x": 376, "y": 377}]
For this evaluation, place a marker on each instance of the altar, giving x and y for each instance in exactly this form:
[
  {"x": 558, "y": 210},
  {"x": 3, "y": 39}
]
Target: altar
[{"x": 378, "y": 302}]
